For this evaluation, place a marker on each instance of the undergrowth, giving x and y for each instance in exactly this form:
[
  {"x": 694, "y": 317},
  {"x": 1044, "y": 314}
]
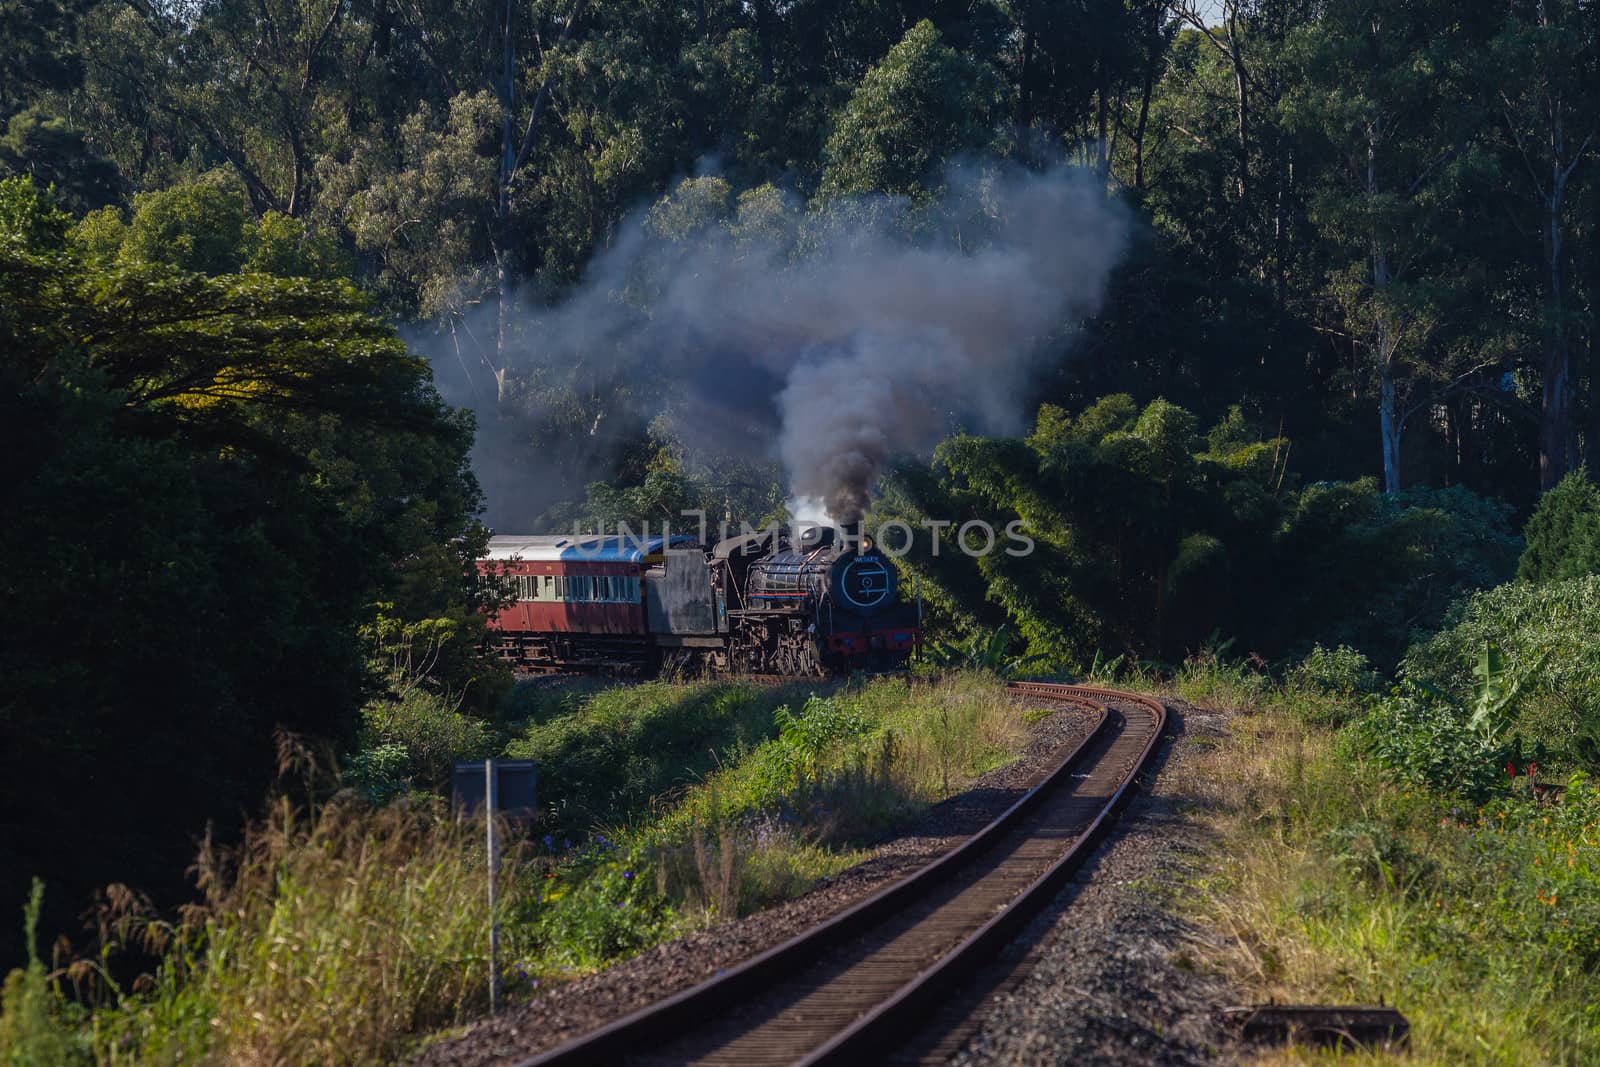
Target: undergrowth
[
  {"x": 341, "y": 931},
  {"x": 1351, "y": 873}
]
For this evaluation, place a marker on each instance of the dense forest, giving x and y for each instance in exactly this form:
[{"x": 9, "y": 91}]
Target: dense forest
[{"x": 298, "y": 298}]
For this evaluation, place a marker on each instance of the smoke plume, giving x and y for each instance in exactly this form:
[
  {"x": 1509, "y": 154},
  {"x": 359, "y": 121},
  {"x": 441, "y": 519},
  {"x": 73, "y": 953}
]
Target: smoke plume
[{"x": 831, "y": 339}]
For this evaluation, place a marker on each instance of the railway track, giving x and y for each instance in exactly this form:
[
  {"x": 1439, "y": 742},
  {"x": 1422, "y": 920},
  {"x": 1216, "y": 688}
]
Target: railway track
[{"x": 859, "y": 982}]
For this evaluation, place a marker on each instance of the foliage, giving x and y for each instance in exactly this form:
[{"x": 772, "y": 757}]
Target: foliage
[
  {"x": 33, "y": 1019},
  {"x": 924, "y": 103},
  {"x": 1148, "y": 540},
  {"x": 807, "y": 741},
  {"x": 55, "y": 154},
  {"x": 981, "y": 652},
  {"x": 1339, "y": 884},
  {"x": 1433, "y": 742},
  {"x": 285, "y": 961},
  {"x": 212, "y": 482},
  {"x": 1564, "y": 533},
  {"x": 1336, "y": 672},
  {"x": 1376, "y": 571},
  {"x": 414, "y": 742},
  {"x": 598, "y": 908},
  {"x": 1549, "y": 635},
  {"x": 197, "y": 228}
]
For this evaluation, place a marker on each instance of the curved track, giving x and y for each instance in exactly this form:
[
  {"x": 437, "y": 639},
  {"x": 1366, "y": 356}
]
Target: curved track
[{"x": 859, "y": 981}]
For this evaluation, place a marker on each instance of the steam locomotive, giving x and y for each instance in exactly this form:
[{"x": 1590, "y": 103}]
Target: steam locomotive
[{"x": 825, "y": 601}]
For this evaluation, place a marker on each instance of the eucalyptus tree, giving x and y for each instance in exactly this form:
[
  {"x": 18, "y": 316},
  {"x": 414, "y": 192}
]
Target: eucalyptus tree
[
  {"x": 1544, "y": 67},
  {"x": 924, "y": 103},
  {"x": 1385, "y": 89}
]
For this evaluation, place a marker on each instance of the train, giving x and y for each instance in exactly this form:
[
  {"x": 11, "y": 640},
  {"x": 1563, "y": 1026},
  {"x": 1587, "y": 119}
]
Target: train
[{"x": 814, "y": 602}]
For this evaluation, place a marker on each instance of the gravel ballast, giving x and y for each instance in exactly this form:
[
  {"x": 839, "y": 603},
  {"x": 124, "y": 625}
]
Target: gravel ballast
[{"x": 1103, "y": 975}]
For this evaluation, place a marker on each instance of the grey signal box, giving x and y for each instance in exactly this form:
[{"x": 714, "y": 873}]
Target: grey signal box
[{"x": 514, "y": 788}]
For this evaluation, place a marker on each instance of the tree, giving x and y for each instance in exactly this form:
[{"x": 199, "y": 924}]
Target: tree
[
  {"x": 1545, "y": 66},
  {"x": 48, "y": 149},
  {"x": 36, "y": 37},
  {"x": 1384, "y": 89},
  {"x": 924, "y": 103},
  {"x": 216, "y": 480},
  {"x": 1563, "y": 534}
]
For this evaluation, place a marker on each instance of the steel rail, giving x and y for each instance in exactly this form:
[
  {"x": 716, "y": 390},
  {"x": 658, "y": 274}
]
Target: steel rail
[{"x": 643, "y": 1034}]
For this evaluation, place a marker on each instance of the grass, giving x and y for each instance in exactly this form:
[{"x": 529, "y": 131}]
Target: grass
[
  {"x": 343, "y": 932},
  {"x": 1338, "y": 884}
]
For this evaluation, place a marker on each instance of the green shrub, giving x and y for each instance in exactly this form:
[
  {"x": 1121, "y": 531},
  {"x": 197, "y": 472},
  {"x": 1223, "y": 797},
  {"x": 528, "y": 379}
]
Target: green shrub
[
  {"x": 809, "y": 740},
  {"x": 1356, "y": 566},
  {"x": 1549, "y": 636},
  {"x": 596, "y": 910},
  {"x": 413, "y": 742},
  {"x": 35, "y": 1026},
  {"x": 1563, "y": 535},
  {"x": 1426, "y": 740},
  {"x": 1339, "y": 672}
]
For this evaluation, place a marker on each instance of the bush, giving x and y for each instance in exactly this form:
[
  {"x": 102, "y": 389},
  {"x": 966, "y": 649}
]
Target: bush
[
  {"x": 1377, "y": 572},
  {"x": 33, "y": 1026},
  {"x": 1550, "y": 636},
  {"x": 1425, "y": 740},
  {"x": 1564, "y": 533},
  {"x": 414, "y": 742},
  {"x": 1339, "y": 672},
  {"x": 596, "y": 909}
]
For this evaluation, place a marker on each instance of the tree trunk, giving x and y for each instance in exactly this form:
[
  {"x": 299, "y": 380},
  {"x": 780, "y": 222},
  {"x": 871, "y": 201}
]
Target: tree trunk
[
  {"x": 1386, "y": 339},
  {"x": 1024, "y": 79},
  {"x": 1102, "y": 152},
  {"x": 1240, "y": 84},
  {"x": 502, "y": 213},
  {"x": 1389, "y": 427},
  {"x": 1591, "y": 439},
  {"x": 1145, "y": 92},
  {"x": 1555, "y": 398}
]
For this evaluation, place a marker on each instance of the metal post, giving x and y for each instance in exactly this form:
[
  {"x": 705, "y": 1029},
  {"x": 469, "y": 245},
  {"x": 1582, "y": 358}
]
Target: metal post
[{"x": 490, "y": 798}]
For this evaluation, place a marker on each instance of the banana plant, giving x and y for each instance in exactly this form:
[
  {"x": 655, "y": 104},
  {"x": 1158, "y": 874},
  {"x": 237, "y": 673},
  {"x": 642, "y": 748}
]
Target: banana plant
[
  {"x": 1496, "y": 691},
  {"x": 981, "y": 652}
]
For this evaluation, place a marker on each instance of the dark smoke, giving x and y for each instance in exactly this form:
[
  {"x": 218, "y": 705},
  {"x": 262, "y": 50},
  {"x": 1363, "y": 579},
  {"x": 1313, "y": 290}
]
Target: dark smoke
[{"x": 837, "y": 338}]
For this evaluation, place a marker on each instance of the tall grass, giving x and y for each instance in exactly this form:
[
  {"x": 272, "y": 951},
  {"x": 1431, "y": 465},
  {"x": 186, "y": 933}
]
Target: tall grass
[
  {"x": 1339, "y": 884},
  {"x": 342, "y": 932},
  {"x": 330, "y": 936}
]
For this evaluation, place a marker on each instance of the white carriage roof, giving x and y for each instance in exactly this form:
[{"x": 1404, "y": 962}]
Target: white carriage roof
[{"x": 585, "y": 548}]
